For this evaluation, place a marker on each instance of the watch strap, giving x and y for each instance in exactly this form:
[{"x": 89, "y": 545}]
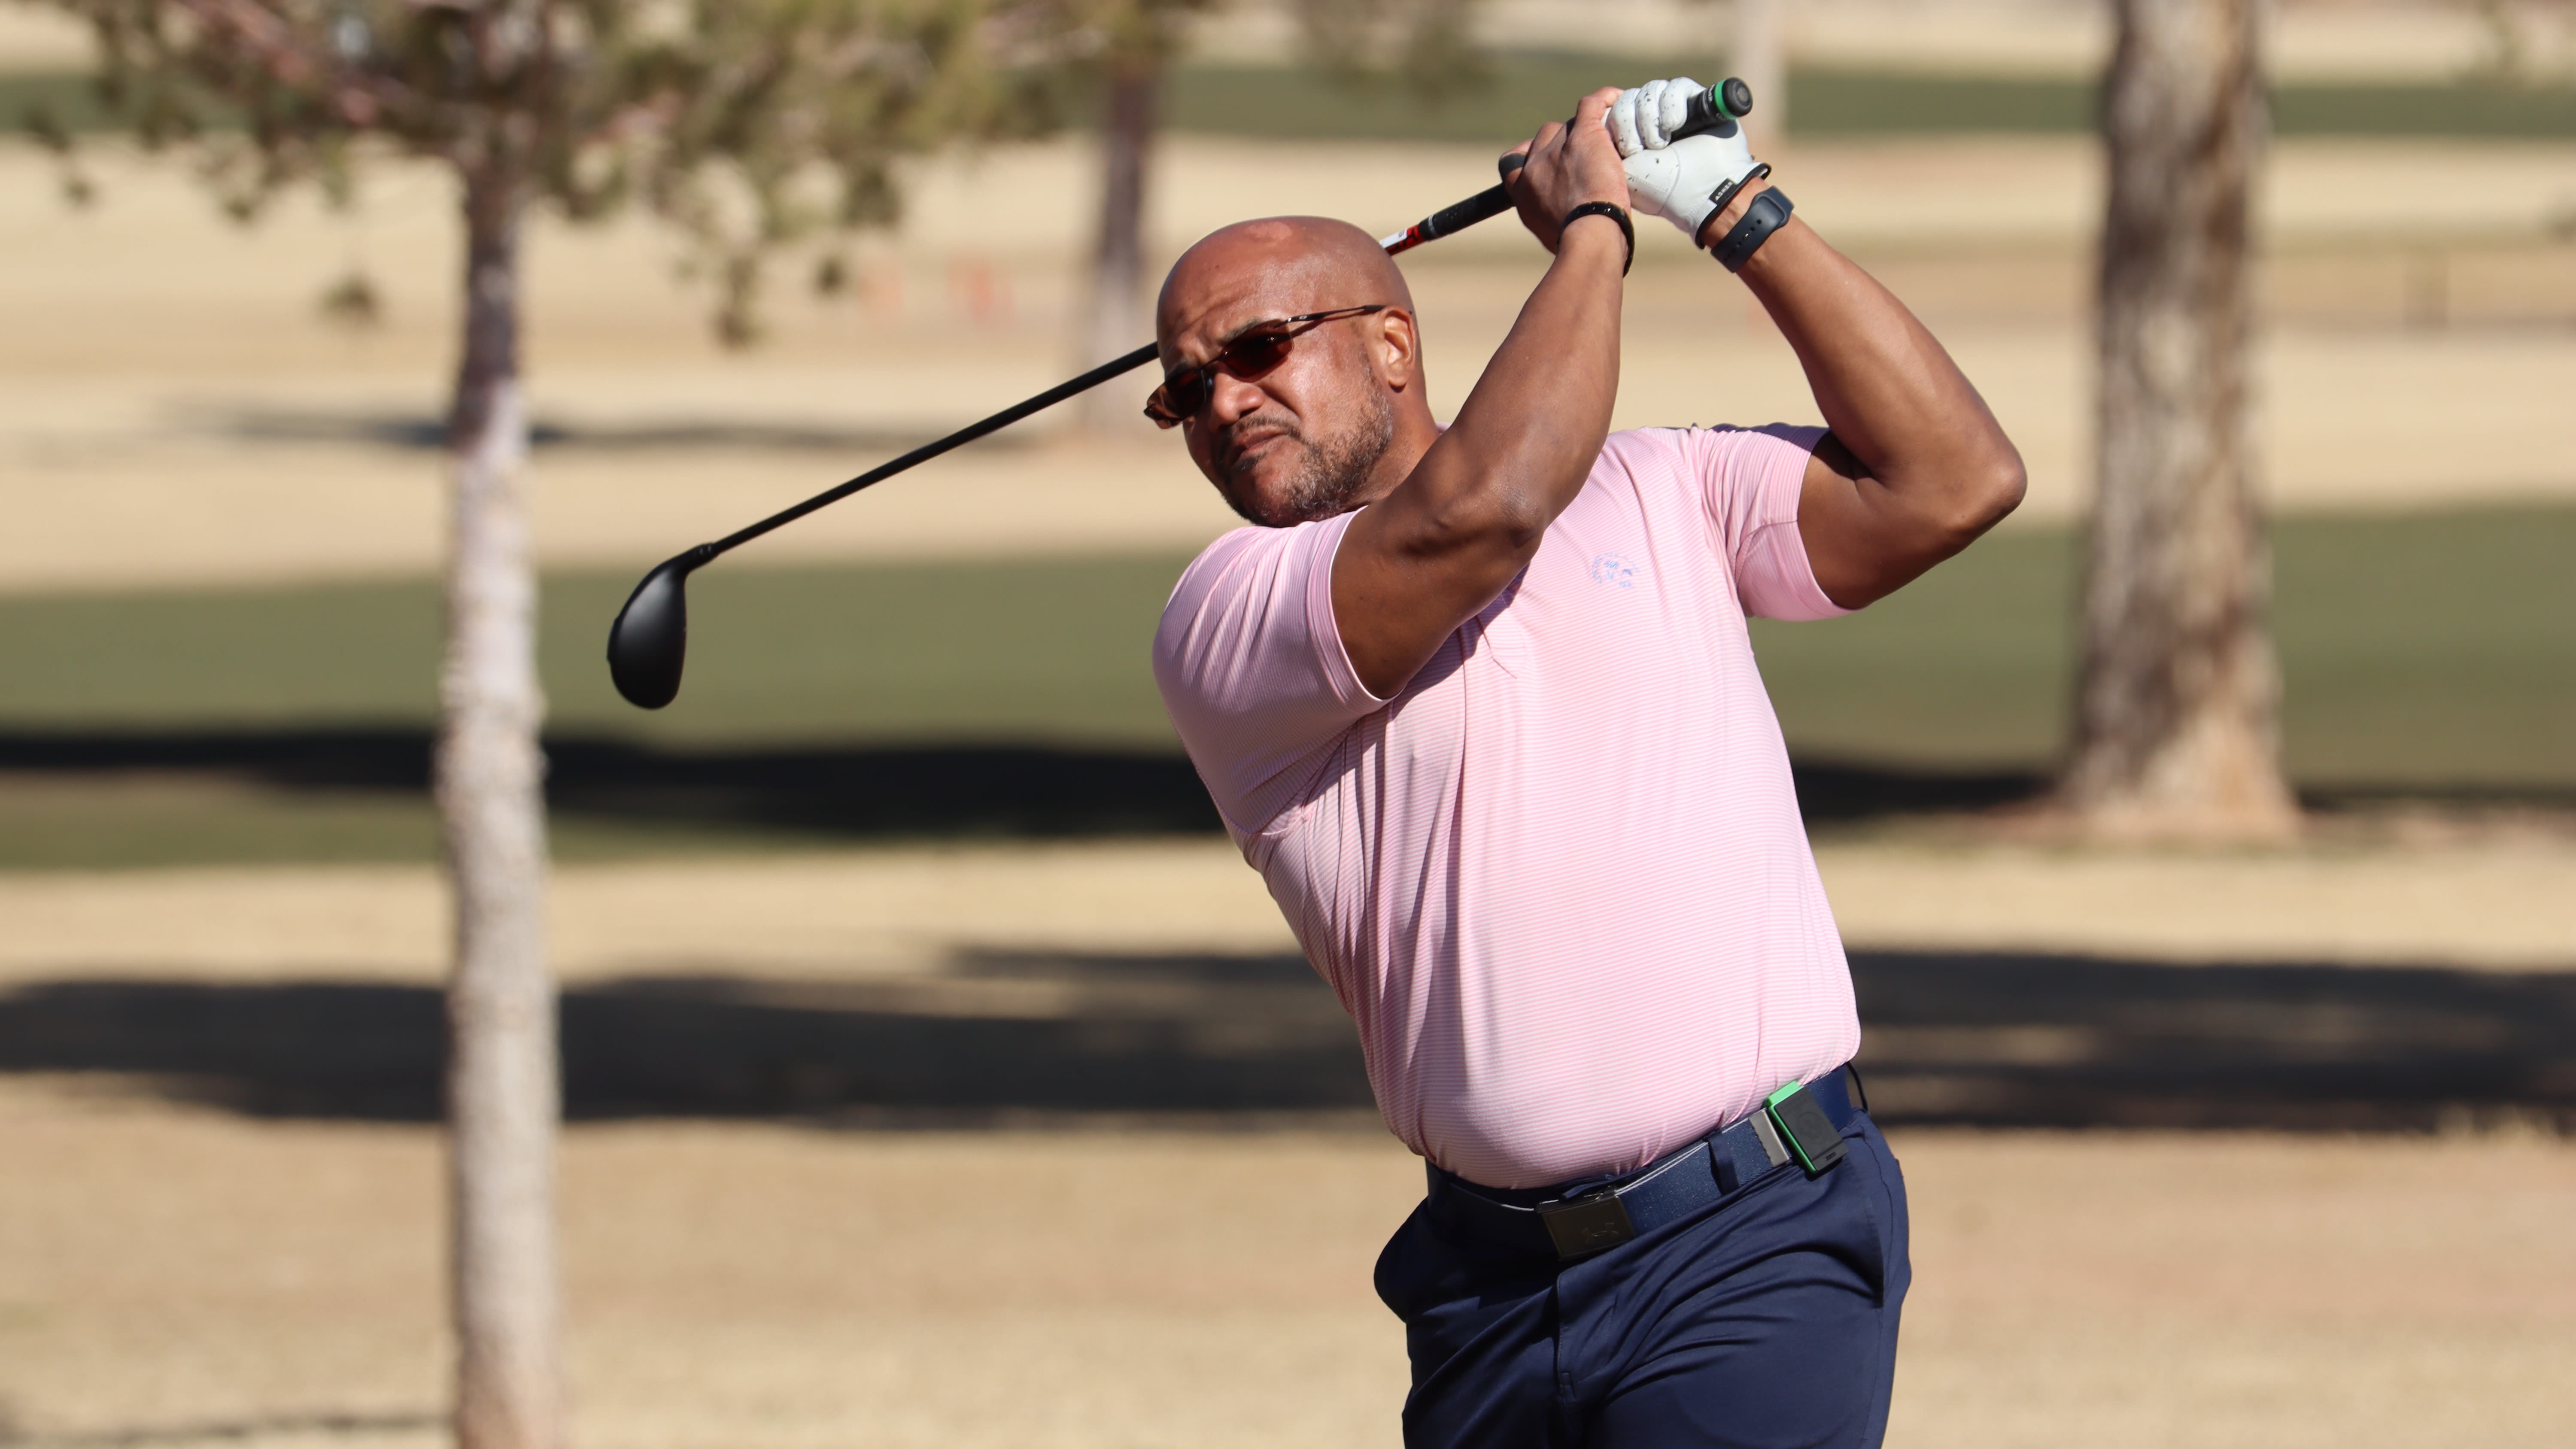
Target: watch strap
[
  {"x": 1615, "y": 212},
  {"x": 1766, "y": 213}
]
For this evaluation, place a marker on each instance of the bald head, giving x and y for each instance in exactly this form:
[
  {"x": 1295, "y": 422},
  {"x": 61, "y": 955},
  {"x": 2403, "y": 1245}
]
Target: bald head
[
  {"x": 1305, "y": 263},
  {"x": 1339, "y": 418}
]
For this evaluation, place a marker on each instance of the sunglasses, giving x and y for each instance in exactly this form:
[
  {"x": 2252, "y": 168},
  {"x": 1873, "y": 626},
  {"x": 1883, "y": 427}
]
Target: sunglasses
[{"x": 1251, "y": 355}]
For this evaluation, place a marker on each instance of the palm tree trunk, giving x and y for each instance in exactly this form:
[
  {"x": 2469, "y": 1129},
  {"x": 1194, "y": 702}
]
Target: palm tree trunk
[
  {"x": 2177, "y": 710},
  {"x": 1114, "y": 317},
  {"x": 502, "y": 1089}
]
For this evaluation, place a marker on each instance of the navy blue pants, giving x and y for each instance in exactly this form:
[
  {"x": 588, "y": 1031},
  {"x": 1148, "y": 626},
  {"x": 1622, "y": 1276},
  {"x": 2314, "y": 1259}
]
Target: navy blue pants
[{"x": 1766, "y": 1320}]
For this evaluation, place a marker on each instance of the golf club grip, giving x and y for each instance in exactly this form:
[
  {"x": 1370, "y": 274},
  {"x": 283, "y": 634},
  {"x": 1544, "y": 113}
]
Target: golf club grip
[
  {"x": 1491, "y": 202},
  {"x": 1729, "y": 99},
  {"x": 1114, "y": 367}
]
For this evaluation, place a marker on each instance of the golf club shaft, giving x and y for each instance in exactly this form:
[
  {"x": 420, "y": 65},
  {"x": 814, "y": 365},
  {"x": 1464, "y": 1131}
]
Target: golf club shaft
[
  {"x": 1128, "y": 362},
  {"x": 1447, "y": 221}
]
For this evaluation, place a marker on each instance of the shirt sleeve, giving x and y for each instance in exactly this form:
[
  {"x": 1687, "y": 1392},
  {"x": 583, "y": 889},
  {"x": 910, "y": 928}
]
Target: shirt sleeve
[
  {"x": 1252, "y": 670},
  {"x": 1751, "y": 479}
]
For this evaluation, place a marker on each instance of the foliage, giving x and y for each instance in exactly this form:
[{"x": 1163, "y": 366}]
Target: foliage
[
  {"x": 1426, "y": 48},
  {"x": 749, "y": 124}
]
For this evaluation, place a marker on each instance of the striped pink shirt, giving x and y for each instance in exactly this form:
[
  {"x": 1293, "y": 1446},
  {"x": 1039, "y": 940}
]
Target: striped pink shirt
[{"x": 1560, "y": 881}]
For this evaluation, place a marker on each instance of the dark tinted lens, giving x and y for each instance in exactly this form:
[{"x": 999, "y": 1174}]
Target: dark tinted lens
[
  {"x": 1250, "y": 357},
  {"x": 1255, "y": 355},
  {"x": 1180, "y": 395}
]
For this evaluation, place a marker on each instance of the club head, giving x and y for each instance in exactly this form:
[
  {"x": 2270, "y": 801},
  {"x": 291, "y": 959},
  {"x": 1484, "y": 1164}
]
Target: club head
[{"x": 650, "y": 640}]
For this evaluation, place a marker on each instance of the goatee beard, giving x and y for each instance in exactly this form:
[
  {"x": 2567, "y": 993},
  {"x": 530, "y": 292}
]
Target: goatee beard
[{"x": 1329, "y": 476}]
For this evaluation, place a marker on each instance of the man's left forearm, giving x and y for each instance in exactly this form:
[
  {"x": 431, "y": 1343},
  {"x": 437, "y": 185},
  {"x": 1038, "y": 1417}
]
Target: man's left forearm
[{"x": 1927, "y": 467}]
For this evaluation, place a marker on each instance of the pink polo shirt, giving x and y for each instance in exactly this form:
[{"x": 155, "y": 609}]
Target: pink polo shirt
[{"x": 1560, "y": 881}]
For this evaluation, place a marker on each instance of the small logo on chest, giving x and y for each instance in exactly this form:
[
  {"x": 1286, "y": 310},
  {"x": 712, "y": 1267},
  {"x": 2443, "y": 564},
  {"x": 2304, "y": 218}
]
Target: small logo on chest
[{"x": 1615, "y": 570}]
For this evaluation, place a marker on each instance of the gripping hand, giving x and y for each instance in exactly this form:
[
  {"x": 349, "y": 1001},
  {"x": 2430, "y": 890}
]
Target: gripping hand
[{"x": 1679, "y": 178}]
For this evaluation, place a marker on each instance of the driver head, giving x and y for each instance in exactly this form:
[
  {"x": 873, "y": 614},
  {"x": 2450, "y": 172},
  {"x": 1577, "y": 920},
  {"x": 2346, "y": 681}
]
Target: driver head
[{"x": 1316, "y": 435}]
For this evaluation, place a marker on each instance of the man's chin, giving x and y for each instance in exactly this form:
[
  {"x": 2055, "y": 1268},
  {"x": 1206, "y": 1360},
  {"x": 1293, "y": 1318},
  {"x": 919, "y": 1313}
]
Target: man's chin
[
  {"x": 1260, "y": 496},
  {"x": 1268, "y": 512}
]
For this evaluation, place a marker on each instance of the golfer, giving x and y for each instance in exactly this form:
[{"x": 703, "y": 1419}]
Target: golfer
[{"x": 1479, "y": 704}]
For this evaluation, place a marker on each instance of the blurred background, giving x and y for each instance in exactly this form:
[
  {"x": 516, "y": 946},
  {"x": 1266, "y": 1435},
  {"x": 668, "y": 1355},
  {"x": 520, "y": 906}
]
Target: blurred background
[{"x": 935, "y": 1072}]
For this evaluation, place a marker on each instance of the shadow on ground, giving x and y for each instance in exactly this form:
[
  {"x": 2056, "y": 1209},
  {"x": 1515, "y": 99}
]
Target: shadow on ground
[
  {"x": 855, "y": 791},
  {"x": 860, "y": 791},
  {"x": 896, "y": 790},
  {"x": 1987, "y": 1040}
]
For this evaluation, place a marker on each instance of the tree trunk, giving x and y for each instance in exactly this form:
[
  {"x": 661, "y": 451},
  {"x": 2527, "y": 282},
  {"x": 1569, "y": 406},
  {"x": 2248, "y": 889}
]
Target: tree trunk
[
  {"x": 1114, "y": 318},
  {"x": 502, "y": 1086},
  {"x": 1761, "y": 59},
  {"x": 2177, "y": 710}
]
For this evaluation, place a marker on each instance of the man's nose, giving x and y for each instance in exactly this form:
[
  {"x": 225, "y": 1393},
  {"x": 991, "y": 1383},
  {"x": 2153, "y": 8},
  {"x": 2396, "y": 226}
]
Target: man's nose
[{"x": 1233, "y": 398}]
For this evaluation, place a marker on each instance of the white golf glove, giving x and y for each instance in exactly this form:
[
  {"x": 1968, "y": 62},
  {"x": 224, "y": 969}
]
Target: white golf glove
[{"x": 1675, "y": 179}]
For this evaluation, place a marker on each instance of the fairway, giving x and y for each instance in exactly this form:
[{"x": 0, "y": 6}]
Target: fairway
[{"x": 2424, "y": 655}]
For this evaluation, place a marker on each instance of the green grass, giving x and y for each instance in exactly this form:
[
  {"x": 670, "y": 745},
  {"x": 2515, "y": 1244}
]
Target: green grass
[
  {"x": 2428, "y": 653},
  {"x": 1526, "y": 88},
  {"x": 951, "y": 651},
  {"x": 2423, "y": 652}
]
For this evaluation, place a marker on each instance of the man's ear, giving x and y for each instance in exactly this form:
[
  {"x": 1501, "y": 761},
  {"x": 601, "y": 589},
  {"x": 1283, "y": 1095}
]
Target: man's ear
[{"x": 1397, "y": 349}]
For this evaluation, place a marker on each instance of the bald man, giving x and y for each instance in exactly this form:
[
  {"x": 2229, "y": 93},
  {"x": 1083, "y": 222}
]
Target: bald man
[{"x": 1479, "y": 704}]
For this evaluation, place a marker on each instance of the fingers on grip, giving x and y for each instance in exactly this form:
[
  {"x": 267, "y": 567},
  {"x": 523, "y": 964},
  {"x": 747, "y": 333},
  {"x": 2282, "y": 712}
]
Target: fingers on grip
[
  {"x": 1625, "y": 132},
  {"x": 1672, "y": 107},
  {"x": 1648, "y": 117}
]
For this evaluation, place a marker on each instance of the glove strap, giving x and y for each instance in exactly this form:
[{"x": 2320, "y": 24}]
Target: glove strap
[
  {"x": 1763, "y": 215},
  {"x": 1616, "y": 213},
  {"x": 1718, "y": 199}
]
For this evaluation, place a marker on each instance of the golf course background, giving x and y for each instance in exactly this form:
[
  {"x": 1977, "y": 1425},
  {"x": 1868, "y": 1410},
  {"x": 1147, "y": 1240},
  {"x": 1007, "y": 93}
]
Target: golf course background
[
  {"x": 922, "y": 1031},
  {"x": 2429, "y": 657}
]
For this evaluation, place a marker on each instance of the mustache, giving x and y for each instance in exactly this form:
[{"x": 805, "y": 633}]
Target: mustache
[{"x": 1236, "y": 436}]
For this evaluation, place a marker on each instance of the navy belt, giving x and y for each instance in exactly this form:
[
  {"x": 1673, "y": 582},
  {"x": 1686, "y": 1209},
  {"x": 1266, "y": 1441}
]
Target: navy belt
[{"x": 1575, "y": 1220}]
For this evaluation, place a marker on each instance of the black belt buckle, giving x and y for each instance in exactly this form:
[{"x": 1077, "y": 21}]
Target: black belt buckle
[{"x": 1581, "y": 1226}]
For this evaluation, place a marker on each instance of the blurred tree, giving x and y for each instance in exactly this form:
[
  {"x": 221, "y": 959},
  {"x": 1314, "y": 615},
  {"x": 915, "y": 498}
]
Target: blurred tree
[
  {"x": 1422, "y": 45},
  {"x": 2519, "y": 36},
  {"x": 1761, "y": 58},
  {"x": 747, "y": 124},
  {"x": 2178, "y": 697}
]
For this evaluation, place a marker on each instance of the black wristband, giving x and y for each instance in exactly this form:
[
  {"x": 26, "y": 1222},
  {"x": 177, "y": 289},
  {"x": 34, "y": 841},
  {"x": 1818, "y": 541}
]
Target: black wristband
[
  {"x": 1616, "y": 213},
  {"x": 1763, "y": 215}
]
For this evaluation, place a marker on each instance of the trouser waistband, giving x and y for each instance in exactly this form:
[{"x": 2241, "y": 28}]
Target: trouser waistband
[{"x": 1575, "y": 1220}]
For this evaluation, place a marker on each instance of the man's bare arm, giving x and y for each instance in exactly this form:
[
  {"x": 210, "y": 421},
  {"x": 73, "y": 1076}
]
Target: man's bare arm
[
  {"x": 1915, "y": 467},
  {"x": 1422, "y": 560}
]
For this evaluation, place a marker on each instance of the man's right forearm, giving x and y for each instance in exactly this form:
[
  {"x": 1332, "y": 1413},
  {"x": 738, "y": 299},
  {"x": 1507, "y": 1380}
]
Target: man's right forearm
[
  {"x": 1420, "y": 561},
  {"x": 1528, "y": 433},
  {"x": 1468, "y": 517}
]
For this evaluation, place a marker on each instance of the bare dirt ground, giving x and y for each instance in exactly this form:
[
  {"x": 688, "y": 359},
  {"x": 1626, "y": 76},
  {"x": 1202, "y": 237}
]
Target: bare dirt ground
[
  {"x": 2495, "y": 904},
  {"x": 177, "y": 411},
  {"x": 170, "y": 1273},
  {"x": 172, "y": 1276}
]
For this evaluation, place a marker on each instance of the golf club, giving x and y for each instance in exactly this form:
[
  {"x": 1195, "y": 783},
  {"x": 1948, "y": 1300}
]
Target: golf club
[{"x": 649, "y": 642}]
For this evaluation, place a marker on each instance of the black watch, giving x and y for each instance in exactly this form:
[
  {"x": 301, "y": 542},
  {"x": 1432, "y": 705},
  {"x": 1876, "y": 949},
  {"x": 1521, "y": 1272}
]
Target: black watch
[
  {"x": 1616, "y": 213},
  {"x": 1766, "y": 213}
]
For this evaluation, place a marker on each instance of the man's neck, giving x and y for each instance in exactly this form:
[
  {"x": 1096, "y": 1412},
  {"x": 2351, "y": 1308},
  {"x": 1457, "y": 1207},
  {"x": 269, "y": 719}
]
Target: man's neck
[{"x": 1415, "y": 432}]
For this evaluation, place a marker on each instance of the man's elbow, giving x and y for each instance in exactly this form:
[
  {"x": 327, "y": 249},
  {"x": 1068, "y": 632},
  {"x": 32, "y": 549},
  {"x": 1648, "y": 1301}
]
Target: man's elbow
[{"x": 1989, "y": 486}]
